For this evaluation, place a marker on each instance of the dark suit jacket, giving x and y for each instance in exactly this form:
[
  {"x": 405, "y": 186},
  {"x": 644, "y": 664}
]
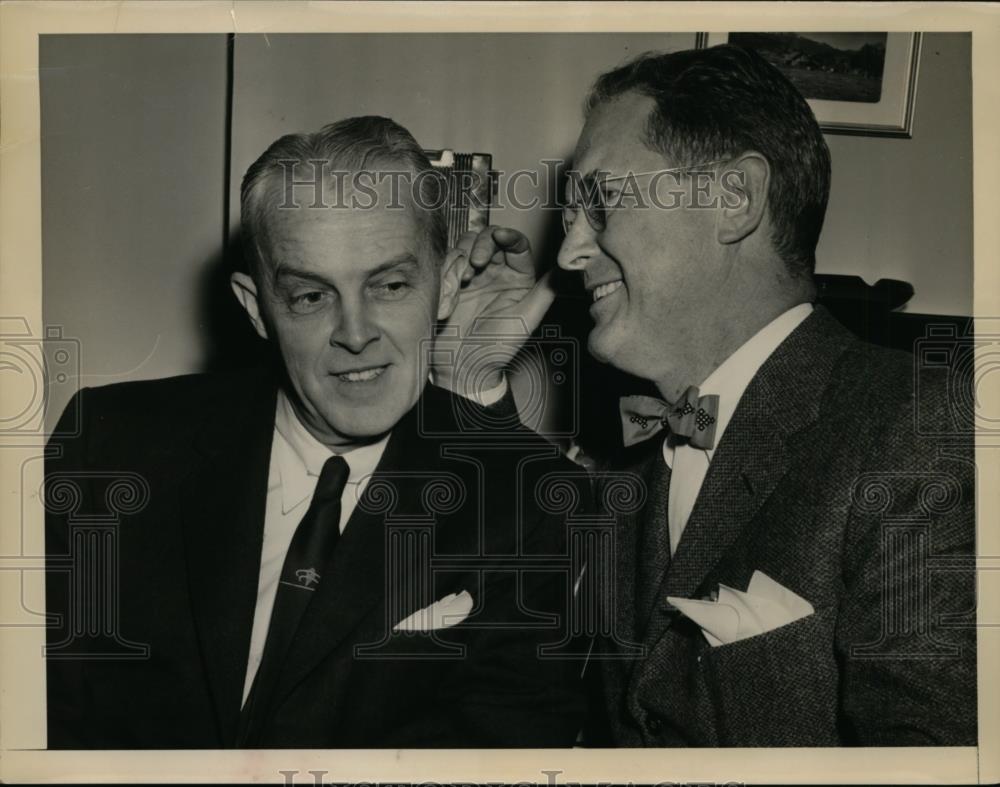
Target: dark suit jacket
[
  {"x": 178, "y": 468},
  {"x": 821, "y": 482}
]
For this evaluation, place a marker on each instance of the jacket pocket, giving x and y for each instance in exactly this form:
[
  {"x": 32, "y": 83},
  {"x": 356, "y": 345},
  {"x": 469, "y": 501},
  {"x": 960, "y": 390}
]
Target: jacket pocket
[{"x": 779, "y": 688}]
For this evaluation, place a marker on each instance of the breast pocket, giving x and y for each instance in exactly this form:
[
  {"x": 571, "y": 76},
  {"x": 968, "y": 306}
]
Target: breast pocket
[{"x": 779, "y": 688}]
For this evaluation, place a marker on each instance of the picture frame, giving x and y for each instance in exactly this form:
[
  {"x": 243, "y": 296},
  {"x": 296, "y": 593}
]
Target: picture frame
[{"x": 888, "y": 115}]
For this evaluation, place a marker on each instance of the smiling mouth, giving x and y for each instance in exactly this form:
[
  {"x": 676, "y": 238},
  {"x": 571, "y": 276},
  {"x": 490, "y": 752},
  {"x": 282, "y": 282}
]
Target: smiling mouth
[
  {"x": 362, "y": 375},
  {"x": 606, "y": 289}
]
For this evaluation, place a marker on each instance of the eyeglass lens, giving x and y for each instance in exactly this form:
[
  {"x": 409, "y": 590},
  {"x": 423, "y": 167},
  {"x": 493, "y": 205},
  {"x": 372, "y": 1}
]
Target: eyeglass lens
[{"x": 591, "y": 202}]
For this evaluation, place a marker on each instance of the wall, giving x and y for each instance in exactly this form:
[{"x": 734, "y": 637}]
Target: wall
[
  {"x": 902, "y": 208},
  {"x": 133, "y": 186},
  {"x": 519, "y": 97}
]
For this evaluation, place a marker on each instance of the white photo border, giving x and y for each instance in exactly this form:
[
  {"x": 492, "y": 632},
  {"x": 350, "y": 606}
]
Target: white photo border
[{"x": 22, "y": 709}]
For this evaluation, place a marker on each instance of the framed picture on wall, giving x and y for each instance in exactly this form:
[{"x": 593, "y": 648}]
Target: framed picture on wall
[{"x": 856, "y": 83}]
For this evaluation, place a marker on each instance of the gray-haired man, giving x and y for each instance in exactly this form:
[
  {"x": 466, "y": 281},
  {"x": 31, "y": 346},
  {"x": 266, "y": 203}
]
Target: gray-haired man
[{"x": 286, "y": 571}]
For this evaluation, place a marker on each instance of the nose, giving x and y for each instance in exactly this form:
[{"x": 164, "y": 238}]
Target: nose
[
  {"x": 355, "y": 328},
  {"x": 579, "y": 245}
]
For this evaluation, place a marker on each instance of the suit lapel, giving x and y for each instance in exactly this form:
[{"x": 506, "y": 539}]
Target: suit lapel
[
  {"x": 749, "y": 463},
  {"x": 626, "y": 556},
  {"x": 653, "y": 539},
  {"x": 222, "y": 503},
  {"x": 757, "y": 449},
  {"x": 618, "y": 649}
]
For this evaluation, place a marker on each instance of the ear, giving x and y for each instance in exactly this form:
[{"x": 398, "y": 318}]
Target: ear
[
  {"x": 454, "y": 265},
  {"x": 744, "y": 184},
  {"x": 246, "y": 293}
]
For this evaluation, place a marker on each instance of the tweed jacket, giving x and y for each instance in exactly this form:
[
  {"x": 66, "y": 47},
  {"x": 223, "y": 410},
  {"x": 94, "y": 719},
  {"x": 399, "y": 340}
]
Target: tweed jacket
[{"x": 821, "y": 481}]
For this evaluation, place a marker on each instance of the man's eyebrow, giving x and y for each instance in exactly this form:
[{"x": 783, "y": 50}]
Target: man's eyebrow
[
  {"x": 593, "y": 177},
  {"x": 588, "y": 182},
  {"x": 285, "y": 271},
  {"x": 406, "y": 259}
]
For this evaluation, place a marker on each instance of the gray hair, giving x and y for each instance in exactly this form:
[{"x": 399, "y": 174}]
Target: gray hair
[{"x": 355, "y": 144}]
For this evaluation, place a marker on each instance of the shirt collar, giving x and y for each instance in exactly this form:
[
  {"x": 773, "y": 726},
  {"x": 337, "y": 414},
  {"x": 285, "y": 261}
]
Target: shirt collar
[
  {"x": 299, "y": 457},
  {"x": 730, "y": 379}
]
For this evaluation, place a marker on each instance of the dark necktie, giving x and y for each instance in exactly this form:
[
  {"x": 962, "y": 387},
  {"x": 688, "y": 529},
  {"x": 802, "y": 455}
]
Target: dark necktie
[{"x": 308, "y": 554}]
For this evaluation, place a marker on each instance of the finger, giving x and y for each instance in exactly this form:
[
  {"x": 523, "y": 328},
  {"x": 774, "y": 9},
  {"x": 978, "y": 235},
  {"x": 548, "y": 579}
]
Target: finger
[
  {"x": 517, "y": 248},
  {"x": 506, "y": 301},
  {"x": 466, "y": 240},
  {"x": 501, "y": 306},
  {"x": 510, "y": 239},
  {"x": 536, "y": 303},
  {"x": 483, "y": 249},
  {"x": 494, "y": 242}
]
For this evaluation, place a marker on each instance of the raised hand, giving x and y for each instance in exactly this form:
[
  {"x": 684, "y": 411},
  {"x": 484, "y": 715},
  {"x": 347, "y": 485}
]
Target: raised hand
[{"x": 501, "y": 295}]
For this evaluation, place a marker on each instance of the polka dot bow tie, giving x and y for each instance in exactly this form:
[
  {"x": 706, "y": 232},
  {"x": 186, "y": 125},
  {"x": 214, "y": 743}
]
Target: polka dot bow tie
[{"x": 693, "y": 417}]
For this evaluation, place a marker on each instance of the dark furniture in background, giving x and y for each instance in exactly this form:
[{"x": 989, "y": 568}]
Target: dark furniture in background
[{"x": 869, "y": 310}]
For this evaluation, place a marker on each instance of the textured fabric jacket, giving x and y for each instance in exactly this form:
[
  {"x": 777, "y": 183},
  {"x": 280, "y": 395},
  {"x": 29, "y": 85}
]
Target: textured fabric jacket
[
  {"x": 181, "y": 468},
  {"x": 822, "y": 482}
]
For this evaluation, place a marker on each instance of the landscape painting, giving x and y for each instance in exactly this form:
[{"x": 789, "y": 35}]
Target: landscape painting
[
  {"x": 827, "y": 66},
  {"x": 856, "y": 83}
]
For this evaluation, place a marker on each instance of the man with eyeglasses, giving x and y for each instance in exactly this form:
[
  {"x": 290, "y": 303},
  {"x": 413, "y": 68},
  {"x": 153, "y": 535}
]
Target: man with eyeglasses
[{"x": 774, "y": 589}]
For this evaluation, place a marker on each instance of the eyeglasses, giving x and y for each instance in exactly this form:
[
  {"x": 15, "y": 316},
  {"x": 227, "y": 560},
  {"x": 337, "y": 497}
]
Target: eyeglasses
[{"x": 596, "y": 204}]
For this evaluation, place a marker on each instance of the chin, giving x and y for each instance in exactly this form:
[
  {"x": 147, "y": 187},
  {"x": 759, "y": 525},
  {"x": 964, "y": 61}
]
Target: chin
[
  {"x": 365, "y": 426},
  {"x": 618, "y": 351},
  {"x": 602, "y": 346}
]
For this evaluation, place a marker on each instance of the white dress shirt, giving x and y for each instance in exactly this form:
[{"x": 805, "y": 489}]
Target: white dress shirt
[
  {"x": 296, "y": 461},
  {"x": 689, "y": 465}
]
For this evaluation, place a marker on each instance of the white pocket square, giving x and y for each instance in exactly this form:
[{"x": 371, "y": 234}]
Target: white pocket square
[
  {"x": 443, "y": 613},
  {"x": 735, "y": 615}
]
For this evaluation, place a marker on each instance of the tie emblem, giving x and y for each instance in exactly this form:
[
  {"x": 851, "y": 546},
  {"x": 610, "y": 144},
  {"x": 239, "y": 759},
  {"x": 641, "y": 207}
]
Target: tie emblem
[
  {"x": 307, "y": 577},
  {"x": 641, "y": 420},
  {"x": 703, "y": 420}
]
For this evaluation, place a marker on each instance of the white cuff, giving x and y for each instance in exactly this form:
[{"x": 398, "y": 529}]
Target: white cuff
[
  {"x": 484, "y": 398},
  {"x": 490, "y": 396}
]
